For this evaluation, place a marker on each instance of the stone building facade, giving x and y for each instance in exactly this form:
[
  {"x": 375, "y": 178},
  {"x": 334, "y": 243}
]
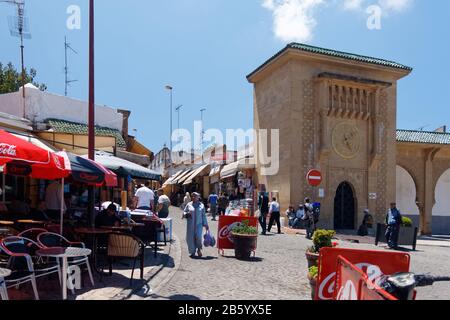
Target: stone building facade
[{"x": 335, "y": 112}]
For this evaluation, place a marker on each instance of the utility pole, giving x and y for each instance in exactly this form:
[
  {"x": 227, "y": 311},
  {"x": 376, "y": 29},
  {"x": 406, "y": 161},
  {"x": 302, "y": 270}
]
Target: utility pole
[{"x": 91, "y": 115}]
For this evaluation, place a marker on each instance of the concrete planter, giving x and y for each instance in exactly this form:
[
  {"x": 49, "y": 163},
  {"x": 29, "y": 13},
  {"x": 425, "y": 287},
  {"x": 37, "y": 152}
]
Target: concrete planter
[
  {"x": 244, "y": 245},
  {"x": 406, "y": 237},
  {"x": 313, "y": 284},
  {"x": 312, "y": 258}
]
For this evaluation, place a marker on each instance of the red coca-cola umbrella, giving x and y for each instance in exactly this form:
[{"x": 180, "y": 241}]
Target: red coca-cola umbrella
[{"x": 23, "y": 158}]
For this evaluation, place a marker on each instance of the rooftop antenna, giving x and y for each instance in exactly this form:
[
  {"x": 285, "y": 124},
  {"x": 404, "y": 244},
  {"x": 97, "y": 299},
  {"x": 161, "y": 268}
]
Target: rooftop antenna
[
  {"x": 66, "y": 68},
  {"x": 422, "y": 128},
  {"x": 19, "y": 27}
]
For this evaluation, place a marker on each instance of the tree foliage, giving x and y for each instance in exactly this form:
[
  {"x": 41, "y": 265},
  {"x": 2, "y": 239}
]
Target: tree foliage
[{"x": 11, "y": 79}]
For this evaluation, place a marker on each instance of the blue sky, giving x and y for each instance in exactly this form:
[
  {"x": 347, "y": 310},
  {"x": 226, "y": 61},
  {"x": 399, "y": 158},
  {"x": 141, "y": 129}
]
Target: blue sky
[{"x": 205, "y": 48}]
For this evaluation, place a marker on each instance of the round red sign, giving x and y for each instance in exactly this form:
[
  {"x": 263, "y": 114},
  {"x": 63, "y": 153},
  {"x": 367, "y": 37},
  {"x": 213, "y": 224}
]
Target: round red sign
[{"x": 314, "y": 178}]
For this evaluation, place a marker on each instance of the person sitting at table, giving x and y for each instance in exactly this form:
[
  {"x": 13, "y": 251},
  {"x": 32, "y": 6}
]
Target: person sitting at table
[
  {"x": 39, "y": 214},
  {"x": 19, "y": 208},
  {"x": 108, "y": 217}
]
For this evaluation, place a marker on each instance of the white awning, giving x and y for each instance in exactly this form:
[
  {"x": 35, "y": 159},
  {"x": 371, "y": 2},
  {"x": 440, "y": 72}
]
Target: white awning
[
  {"x": 172, "y": 178},
  {"x": 215, "y": 170},
  {"x": 200, "y": 171},
  {"x": 182, "y": 177},
  {"x": 231, "y": 169},
  {"x": 34, "y": 140}
]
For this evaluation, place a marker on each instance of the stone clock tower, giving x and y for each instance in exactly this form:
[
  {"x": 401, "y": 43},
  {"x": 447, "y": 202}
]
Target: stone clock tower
[{"x": 335, "y": 112}]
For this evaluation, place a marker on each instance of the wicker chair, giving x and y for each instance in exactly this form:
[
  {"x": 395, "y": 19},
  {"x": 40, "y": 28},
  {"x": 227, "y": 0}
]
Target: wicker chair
[{"x": 126, "y": 246}]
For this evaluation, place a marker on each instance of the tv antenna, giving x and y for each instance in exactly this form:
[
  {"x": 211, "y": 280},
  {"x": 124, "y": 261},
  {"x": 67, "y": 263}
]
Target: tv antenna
[
  {"x": 67, "y": 81},
  {"x": 19, "y": 27},
  {"x": 422, "y": 128}
]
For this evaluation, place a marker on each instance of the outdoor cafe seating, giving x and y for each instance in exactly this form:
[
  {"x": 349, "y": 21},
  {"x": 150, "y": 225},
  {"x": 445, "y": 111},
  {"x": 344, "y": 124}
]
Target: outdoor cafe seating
[{"x": 24, "y": 264}]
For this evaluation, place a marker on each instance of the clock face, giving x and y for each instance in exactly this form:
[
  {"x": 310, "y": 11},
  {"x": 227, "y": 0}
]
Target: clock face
[{"x": 346, "y": 140}]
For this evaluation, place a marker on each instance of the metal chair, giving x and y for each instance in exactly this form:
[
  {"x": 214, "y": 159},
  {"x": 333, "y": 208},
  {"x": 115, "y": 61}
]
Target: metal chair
[
  {"x": 52, "y": 240},
  {"x": 21, "y": 252},
  {"x": 126, "y": 246}
]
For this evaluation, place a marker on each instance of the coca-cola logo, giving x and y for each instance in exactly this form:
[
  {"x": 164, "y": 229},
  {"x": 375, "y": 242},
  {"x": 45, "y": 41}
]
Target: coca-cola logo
[
  {"x": 225, "y": 232},
  {"x": 348, "y": 292},
  {"x": 8, "y": 150},
  {"x": 327, "y": 286}
]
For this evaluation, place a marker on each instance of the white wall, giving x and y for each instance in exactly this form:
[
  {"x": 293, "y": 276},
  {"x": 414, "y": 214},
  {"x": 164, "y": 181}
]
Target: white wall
[
  {"x": 43, "y": 105},
  {"x": 442, "y": 195},
  {"x": 406, "y": 193}
]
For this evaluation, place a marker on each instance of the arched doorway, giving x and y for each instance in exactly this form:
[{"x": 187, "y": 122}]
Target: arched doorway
[
  {"x": 344, "y": 207},
  {"x": 441, "y": 210}
]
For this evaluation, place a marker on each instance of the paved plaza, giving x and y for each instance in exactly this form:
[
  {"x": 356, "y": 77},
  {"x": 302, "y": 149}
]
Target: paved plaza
[{"x": 277, "y": 272}]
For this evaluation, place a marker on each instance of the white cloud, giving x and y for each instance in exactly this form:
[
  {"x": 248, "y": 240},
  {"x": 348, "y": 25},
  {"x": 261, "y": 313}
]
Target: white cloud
[
  {"x": 294, "y": 20},
  {"x": 395, "y": 5},
  {"x": 353, "y": 4}
]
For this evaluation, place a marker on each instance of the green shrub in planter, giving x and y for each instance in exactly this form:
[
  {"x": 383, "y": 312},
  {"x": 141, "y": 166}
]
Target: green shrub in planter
[
  {"x": 244, "y": 228},
  {"x": 407, "y": 222},
  {"x": 322, "y": 238},
  {"x": 313, "y": 272}
]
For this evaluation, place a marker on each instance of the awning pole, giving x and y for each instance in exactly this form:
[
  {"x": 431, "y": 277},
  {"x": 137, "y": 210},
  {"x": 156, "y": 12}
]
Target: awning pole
[
  {"x": 62, "y": 208},
  {"x": 3, "y": 187}
]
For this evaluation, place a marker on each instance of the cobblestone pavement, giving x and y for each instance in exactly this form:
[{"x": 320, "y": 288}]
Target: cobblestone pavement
[{"x": 278, "y": 272}]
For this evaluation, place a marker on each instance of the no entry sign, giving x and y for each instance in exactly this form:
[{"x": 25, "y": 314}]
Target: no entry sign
[{"x": 314, "y": 178}]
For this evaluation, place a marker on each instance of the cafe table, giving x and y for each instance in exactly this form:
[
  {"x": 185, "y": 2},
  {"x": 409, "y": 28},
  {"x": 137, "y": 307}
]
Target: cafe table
[
  {"x": 3, "y": 291},
  {"x": 94, "y": 233},
  {"x": 64, "y": 254}
]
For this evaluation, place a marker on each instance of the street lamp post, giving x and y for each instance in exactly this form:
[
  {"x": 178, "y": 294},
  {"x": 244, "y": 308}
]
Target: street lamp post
[
  {"x": 178, "y": 112},
  {"x": 202, "y": 133}
]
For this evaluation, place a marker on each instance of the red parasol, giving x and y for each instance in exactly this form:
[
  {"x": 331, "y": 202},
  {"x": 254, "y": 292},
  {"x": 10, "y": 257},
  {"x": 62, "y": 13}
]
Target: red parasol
[{"x": 23, "y": 158}]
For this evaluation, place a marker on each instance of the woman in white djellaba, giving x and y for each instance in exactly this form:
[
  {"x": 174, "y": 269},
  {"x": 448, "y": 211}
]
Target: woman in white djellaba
[{"x": 195, "y": 215}]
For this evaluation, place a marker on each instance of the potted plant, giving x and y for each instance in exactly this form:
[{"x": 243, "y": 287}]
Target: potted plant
[
  {"x": 407, "y": 222},
  {"x": 244, "y": 239},
  {"x": 321, "y": 239},
  {"x": 312, "y": 277}
]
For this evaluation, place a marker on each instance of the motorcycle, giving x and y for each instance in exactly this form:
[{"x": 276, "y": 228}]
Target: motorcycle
[{"x": 402, "y": 285}]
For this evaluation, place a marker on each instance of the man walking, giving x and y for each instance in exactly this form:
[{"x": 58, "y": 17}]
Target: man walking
[
  {"x": 222, "y": 203},
  {"x": 274, "y": 212},
  {"x": 163, "y": 204},
  {"x": 212, "y": 200},
  {"x": 309, "y": 218},
  {"x": 263, "y": 205},
  {"x": 393, "y": 221}
]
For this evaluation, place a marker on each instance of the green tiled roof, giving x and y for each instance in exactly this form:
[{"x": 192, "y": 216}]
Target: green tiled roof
[
  {"x": 338, "y": 54},
  {"x": 423, "y": 137},
  {"x": 62, "y": 126}
]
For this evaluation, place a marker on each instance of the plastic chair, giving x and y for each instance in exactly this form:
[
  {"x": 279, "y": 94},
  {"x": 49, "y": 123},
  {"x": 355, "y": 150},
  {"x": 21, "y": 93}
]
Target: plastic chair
[
  {"x": 126, "y": 246},
  {"x": 32, "y": 233},
  {"x": 52, "y": 240},
  {"x": 21, "y": 252}
]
